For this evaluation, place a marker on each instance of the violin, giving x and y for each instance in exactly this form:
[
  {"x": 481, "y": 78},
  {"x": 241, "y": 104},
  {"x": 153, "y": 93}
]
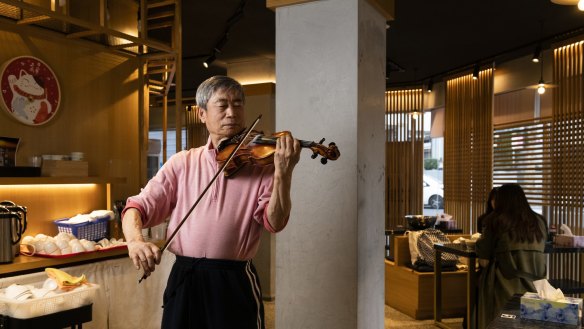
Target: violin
[{"x": 260, "y": 149}]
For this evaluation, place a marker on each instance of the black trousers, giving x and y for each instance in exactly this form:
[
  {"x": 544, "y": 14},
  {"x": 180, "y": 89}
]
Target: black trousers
[{"x": 206, "y": 293}]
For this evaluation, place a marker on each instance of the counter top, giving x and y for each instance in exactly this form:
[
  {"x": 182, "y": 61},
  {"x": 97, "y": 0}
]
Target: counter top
[{"x": 30, "y": 264}]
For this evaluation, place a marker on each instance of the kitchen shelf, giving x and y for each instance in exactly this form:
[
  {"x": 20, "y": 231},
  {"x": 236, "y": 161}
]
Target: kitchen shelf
[{"x": 60, "y": 180}]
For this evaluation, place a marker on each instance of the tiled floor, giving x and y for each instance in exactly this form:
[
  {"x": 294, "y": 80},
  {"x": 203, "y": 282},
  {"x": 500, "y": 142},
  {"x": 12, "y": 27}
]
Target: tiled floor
[{"x": 393, "y": 319}]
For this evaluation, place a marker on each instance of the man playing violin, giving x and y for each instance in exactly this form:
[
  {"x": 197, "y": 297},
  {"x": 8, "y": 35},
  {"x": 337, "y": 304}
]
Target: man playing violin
[{"x": 213, "y": 283}]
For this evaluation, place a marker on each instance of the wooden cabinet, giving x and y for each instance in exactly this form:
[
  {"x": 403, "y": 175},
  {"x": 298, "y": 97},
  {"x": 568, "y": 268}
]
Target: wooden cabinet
[{"x": 412, "y": 292}]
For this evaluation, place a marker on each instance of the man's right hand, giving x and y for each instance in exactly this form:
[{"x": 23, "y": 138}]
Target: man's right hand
[{"x": 144, "y": 255}]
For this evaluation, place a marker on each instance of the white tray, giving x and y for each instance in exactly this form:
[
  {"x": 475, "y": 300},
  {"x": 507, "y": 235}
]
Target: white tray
[{"x": 34, "y": 307}]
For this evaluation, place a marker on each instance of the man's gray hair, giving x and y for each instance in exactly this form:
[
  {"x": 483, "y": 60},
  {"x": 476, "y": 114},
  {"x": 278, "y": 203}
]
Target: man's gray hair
[{"x": 208, "y": 87}]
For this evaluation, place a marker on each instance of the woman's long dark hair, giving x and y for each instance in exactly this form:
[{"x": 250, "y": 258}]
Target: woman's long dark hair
[
  {"x": 513, "y": 215},
  {"x": 488, "y": 210},
  {"x": 492, "y": 194}
]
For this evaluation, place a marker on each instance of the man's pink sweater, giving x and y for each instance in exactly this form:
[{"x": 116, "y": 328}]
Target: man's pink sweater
[{"x": 227, "y": 222}]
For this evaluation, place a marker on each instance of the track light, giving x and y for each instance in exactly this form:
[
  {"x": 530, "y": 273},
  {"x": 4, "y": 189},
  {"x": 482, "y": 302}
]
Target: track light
[
  {"x": 581, "y": 5},
  {"x": 430, "y": 85},
  {"x": 209, "y": 60},
  {"x": 219, "y": 46},
  {"x": 475, "y": 72},
  {"x": 234, "y": 18},
  {"x": 536, "y": 54}
]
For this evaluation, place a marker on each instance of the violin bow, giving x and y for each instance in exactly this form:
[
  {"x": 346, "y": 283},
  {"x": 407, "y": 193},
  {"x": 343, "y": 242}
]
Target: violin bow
[{"x": 180, "y": 224}]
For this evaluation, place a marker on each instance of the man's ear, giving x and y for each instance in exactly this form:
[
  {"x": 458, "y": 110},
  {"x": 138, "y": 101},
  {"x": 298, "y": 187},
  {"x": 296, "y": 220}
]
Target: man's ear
[{"x": 202, "y": 114}]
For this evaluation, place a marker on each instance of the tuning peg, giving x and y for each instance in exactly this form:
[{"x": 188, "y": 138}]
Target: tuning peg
[
  {"x": 321, "y": 141},
  {"x": 314, "y": 155},
  {"x": 323, "y": 160},
  {"x": 332, "y": 144}
]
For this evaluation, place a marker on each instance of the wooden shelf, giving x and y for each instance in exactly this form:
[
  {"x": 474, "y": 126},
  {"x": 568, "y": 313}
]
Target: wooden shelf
[
  {"x": 60, "y": 180},
  {"x": 30, "y": 264}
]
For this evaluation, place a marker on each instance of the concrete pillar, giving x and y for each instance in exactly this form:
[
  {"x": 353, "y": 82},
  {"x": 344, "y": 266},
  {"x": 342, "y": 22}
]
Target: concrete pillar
[{"x": 330, "y": 73}]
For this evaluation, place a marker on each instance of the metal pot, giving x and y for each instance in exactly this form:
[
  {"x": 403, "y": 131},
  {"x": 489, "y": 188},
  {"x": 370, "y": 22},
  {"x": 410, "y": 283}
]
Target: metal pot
[{"x": 18, "y": 226}]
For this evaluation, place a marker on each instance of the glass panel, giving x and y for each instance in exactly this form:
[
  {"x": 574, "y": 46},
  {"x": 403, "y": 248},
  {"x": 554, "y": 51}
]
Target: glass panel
[{"x": 433, "y": 187}]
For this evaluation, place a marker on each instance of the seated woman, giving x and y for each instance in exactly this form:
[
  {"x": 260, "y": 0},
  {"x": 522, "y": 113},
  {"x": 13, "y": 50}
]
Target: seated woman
[{"x": 511, "y": 252}]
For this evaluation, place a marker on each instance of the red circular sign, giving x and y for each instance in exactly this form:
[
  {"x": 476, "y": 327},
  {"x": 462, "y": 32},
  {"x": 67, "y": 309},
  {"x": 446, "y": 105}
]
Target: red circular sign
[{"x": 30, "y": 90}]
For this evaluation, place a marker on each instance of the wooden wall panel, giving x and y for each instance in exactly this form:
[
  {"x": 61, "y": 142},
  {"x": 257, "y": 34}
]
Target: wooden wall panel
[{"x": 99, "y": 108}]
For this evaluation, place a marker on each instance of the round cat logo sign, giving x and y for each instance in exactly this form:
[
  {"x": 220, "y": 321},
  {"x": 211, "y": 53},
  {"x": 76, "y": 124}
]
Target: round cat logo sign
[{"x": 30, "y": 90}]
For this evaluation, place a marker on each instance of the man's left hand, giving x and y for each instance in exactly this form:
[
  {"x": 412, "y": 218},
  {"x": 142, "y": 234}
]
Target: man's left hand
[{"x": 287, "y": 154}]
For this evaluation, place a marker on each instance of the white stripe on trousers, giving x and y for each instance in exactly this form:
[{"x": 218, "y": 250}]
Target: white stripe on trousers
[{"x": 255, "y": 289}]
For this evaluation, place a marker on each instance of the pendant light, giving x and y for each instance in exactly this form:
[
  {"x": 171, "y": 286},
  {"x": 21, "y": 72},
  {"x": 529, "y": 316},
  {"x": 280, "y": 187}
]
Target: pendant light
[{"x": 541, "y": 84}]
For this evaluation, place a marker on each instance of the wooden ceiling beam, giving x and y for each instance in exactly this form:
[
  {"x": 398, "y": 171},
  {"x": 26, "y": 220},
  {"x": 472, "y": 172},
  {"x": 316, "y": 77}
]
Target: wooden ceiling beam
[
  {"x": 88, "y": 25},
  {"x": 82, "y": 34},
  {"x": 32, "y": 20},
  {"x": 161, "y": 4}
]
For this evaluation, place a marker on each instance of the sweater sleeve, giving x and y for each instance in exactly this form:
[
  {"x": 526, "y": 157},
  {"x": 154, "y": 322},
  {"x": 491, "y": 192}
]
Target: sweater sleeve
[{"x": 157, "y": 199}]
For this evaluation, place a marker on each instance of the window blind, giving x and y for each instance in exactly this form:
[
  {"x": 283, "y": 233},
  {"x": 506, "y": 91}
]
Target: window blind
[{"x": 521, "y": 154}]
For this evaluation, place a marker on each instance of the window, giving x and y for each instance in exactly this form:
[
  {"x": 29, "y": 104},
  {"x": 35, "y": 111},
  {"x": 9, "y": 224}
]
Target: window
[{"x": 155, "y": 158}]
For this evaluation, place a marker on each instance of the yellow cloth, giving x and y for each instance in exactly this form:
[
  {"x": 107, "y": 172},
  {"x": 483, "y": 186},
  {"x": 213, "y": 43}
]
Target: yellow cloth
[{"x": 65, "y": 280}]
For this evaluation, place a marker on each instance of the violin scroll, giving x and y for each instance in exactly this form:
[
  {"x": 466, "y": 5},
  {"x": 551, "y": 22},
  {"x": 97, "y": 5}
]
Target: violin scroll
[{"x": 327, "y": 153}]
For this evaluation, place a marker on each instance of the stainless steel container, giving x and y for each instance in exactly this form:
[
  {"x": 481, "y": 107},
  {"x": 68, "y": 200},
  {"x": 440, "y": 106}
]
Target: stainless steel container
[
  {"x": 21, "y": 211},
  {"x": 10, "y": 233}
]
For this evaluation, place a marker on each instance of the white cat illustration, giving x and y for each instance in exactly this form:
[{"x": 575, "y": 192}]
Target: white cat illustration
[{"x": 29, "y": 99}]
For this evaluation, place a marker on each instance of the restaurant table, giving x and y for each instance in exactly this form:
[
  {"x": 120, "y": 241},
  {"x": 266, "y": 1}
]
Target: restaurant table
[
  {"x": 509, "y": 318},
  {"x": 471, "y": 281},
  {"x": 73, "y": 318}
]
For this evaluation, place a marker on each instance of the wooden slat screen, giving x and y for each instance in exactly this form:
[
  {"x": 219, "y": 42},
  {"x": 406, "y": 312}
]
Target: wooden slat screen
[
  {"x": 468, "y": 145},
  {"x": 197, "y": 133},
  {"x": 405, "y": 153},
  {"x": 568, "y": 137},
  {"x": 568, "y": 153}
]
